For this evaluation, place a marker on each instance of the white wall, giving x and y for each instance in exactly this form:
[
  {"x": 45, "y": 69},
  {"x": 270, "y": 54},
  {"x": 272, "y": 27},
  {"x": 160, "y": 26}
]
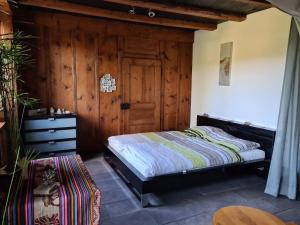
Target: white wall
[{"x": 259, "y": 52}]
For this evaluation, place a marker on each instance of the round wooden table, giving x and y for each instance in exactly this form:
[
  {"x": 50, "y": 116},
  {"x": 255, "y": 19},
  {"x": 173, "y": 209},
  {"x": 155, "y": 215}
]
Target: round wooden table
[{"x": 242, "y": 215}]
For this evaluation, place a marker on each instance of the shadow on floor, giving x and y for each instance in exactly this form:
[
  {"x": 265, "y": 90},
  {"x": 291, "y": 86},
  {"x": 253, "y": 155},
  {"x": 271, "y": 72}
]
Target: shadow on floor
[{"x": 189, "y": 206}]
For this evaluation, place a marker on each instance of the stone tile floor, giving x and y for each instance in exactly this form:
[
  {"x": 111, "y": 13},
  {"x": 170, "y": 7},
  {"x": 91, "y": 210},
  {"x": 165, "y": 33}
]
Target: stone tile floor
[{"x": 190, "y": 206}]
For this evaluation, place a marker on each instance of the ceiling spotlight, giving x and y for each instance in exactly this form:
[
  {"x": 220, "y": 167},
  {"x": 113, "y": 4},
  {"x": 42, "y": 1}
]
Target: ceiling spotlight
[
  {"x": 151, "y": 13},
  {"x": 132, "y": 11}
]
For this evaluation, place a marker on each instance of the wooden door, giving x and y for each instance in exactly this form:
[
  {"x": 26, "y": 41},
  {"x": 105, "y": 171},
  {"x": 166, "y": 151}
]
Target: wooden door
[{"x": 141, "y": 103}]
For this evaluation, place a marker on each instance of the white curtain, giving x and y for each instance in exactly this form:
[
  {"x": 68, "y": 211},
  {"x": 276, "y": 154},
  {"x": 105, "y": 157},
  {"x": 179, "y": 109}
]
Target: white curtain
[
  {"x": 284, "y": 174},
  {"x": 298, "y": 23},
  {"x": 285, "y": 164}
]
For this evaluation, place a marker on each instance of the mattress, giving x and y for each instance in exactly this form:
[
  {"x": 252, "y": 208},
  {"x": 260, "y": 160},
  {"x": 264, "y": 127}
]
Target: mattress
[
  {"x": 153, "y": 154},
  {"x": 254, "y": 154}
]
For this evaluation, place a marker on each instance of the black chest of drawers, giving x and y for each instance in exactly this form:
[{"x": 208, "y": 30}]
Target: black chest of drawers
[{"x": 50, "y": 135}]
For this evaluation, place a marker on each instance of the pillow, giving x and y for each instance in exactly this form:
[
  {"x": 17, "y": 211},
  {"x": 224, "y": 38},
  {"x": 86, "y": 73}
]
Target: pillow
[{"x": 220, "y": 137}]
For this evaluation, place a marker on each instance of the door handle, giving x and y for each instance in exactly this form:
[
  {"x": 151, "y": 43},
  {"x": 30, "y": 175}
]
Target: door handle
[{"x": 125, "y": 106}]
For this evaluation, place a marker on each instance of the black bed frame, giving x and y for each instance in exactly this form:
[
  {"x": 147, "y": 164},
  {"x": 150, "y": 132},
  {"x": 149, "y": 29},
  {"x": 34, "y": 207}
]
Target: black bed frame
[{"x": 141, "y": 186}]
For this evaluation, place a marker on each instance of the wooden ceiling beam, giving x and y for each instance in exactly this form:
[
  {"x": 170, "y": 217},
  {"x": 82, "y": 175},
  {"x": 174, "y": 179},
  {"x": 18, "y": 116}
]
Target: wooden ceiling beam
[
  {"x": 105, "y": 13},
  {"x": 256, "y": 2},
  {"x": 183, "y": 10}
]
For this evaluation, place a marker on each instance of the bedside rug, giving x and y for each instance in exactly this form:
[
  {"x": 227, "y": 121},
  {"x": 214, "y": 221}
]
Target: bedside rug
[{"x": 59, "y": 191}]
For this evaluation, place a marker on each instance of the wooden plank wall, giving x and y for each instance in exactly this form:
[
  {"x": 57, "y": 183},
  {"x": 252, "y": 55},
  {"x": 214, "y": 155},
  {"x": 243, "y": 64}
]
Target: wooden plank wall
[
  {"x": 5, "y": 18},
  {"x": 73, "y": 52},
  {"x": 6, "y": 27}
]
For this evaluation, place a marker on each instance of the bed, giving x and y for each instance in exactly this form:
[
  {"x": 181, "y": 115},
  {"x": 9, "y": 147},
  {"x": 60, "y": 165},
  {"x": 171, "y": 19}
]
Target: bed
[{"x": 159, "y": 161}]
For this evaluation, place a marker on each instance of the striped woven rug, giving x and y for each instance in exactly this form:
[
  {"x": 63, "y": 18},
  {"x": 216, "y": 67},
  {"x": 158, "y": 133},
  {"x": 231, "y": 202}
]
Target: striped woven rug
[{"x": 59, "y": 190}]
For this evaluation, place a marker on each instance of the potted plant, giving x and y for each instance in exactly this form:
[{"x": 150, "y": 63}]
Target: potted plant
[{"x": 14, "y": 57}]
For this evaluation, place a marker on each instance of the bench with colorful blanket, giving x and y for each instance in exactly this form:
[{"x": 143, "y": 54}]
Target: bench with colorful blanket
[{"x": 59, "y": 190}]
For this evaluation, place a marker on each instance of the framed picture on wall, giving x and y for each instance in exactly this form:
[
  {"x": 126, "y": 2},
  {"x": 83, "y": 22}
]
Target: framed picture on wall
[{"x": 225, "y": 64}]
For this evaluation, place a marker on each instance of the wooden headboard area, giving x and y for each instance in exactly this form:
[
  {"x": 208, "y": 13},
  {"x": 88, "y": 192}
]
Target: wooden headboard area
[{"x": 260, "y": 135}]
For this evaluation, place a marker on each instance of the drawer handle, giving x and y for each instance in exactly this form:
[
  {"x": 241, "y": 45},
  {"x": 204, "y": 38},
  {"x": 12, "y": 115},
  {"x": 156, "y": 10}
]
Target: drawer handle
[
  {"x": 51, "y": 119},
  {"x": 51, "y": 142},
  {"x": 51, "y": 131}
]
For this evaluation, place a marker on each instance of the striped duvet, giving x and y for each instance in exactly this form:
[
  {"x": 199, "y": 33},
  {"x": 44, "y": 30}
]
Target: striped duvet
[
  {"x": 158, "y": 153},
  {"x": 220, "y": 137}
]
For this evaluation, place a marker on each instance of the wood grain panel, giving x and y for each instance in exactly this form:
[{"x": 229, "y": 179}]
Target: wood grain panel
[
  {"x": 54, "y": 68},
  {"x": 60, "y": 69},
  {"x": 141, "y": 46},
  {"x": 36, "y": 75},
  {"x": 170, "y": 57},
  {"x": 73, "y": 53},
  {"x": 6, "y": 25},
  {"x": 41, "y": 74},
  {"x": 184, "y": 105},
  {"x": 86, "y": 86},
  {"x": 67, "y": 79},
  {"x": 109, "y": 102},
  {"x": 142, "y": 90},
  {"x": 135, "y": 79},
  {"x": 181, "y": 9},
  {"x": 114, "y": 14},
  {"x": 103, "y": 26},
  {"x": 243, "y": 215},
  {"x": 148, "y": 88},
  {"x": 3, "y": 144}
]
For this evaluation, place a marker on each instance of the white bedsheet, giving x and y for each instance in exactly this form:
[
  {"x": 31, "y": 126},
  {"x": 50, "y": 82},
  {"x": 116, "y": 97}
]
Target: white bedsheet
[{"x": 253, "y": 155}]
